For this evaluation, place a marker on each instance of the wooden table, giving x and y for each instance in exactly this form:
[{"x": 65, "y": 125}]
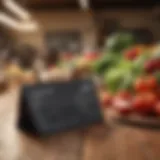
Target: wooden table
[{"x": 103, "y": 142}]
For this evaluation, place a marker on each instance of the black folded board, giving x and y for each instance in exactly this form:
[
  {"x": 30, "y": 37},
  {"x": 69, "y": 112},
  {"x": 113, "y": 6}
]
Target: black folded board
[{"x": 51, "y": 108}]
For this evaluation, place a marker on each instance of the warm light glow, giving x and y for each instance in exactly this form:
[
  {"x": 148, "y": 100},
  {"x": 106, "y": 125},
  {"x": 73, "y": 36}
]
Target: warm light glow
[
  {"x": 22, "y": 25},
  {"x": 16, "y": 25},
  {"x": 16, "y": 9},
  {"x": 84, "y": 4}
]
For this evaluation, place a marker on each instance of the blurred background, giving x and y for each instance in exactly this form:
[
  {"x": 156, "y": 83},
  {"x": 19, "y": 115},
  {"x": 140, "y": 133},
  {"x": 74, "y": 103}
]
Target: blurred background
[
  {"x": 79, "y": 25},
  {"x": 39, "y": 27},
  {"x": 114, "y": 42}
]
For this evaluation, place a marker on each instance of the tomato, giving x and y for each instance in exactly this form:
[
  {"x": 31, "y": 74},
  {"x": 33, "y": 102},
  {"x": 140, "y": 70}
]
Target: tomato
[
  {"x": 157, "y": 108},
  {"x": 124, "y": 95},
  {"x": 144, "y": 103},
  {"x": 151, "y": 82},
  {"x": 144, "y": 84},
  {"x": 139, "y": 104},
  {"x": 122, "y": 102},
  {"x": 158, "y": 64},
  {"x": 106, "y": 99},
  {"x": 132, "y": 54},
  {"x": 150, "y": 66},
  {"x": 140, "y": 85},
  {"x": 157, "y": 91},
  {"x": 151, "y": 99},
  {"x": 91, "y": 56},
  {"x": 122, "y": 106}
]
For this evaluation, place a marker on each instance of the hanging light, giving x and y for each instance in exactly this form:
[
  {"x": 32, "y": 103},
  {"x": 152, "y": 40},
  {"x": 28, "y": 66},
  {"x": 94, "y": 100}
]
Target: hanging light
[
  {"x": 17, "y": 25},
  {"x": 84, "y": 4},
  {"x": 16, "y": 9},
  {"x": 22, "y": 25}
]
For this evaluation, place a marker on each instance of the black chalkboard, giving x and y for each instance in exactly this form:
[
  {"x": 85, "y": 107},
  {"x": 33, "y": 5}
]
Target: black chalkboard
[{"x": 51, "y": 108}]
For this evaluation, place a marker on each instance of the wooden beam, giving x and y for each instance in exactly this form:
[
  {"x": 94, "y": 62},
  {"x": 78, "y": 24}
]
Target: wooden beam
[{"x": 108, "y": 4}]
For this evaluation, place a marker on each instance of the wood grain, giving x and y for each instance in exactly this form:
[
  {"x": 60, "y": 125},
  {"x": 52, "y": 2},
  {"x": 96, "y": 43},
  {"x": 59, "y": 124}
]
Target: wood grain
[{"x": 100, "y": 142}]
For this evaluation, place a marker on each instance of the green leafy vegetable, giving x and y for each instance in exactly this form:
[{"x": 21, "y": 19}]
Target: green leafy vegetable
[{"x": 117, "y": 42}]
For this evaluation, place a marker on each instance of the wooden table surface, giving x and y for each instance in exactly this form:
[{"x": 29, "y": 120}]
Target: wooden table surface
[{"x": 102, "y": 142}]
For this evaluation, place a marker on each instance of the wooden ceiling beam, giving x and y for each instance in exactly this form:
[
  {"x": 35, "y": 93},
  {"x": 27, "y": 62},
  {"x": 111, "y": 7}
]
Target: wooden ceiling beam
[{"x": 94, "y": 4}]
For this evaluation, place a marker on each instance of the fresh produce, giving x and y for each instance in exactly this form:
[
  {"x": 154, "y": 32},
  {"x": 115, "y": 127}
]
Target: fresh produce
[
  {"x": 157, "y": 76},
  {"x": 113, "y": 78},
  {"x": 139, "y": 104},
  {"x": 144, "y": 84},
  {"x": 130, "y": 75},
  {"x": 145, "y": 96},
  {"x": 120, "y": 76},
  {"x": 140, "y": 85},
  {"x": 152, "y": 65},
  {"x": 104, "y": 63},
  {"x": 132, "y": 54},
  {"x": 106, "y": 99},
  {"x": 124, "y": 95},
  {"x": 157, "y": 108},
  {"x": 150, "y": 98},
  {"x": 151, "y": 82},
  {"x": 91, "y": 56},
  {"x": 144, "y": 103},
  {"x": 122, "y": 105},
  {"x": 133, "y": 78},
  {"x": 117, "y": 42}
]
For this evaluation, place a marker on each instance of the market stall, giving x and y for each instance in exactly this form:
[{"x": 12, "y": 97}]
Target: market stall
[{"x": 117, "y": 50}]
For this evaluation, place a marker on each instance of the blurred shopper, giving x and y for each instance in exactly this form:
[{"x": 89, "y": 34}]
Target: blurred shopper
[
  {"x": 5, "y": 61},
  {"x": 26, "y": 56},
  {"x": 52, "y": 58},
  {"x": 20, "y": 70}
]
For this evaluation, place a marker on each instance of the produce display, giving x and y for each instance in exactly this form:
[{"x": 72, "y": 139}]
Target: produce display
[
  {"x": 15, "y": 74},
  {"x": 131, "y": 75}
]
